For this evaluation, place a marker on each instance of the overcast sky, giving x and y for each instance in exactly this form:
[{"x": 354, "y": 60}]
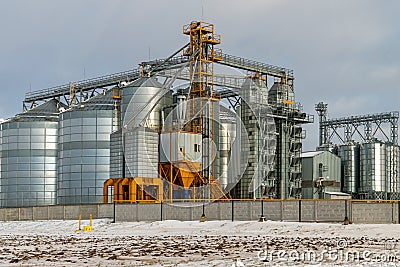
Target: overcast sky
[{"x": 346, "y": 53}]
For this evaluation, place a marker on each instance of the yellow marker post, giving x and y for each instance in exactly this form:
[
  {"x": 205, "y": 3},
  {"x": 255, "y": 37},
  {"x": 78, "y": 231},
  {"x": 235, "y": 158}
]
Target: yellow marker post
[
  {"x": 79, "y": 224},
  {"x": 88, "y": 228}
]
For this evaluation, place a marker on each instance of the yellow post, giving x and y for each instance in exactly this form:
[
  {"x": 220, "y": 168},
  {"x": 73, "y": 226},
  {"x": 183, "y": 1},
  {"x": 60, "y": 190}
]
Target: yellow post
[
  {"x": 79, "y": 224},
  {"x": 88, "y": 228}
]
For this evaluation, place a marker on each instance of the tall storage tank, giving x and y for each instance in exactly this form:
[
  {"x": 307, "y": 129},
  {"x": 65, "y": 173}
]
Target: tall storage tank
[
  {"x": 227, "y": 135},
  {"x": 373, "y": 180},
  {"x": 392, "y": 170},
  {"x": 143, "y": 96},
  {"x": 254, "y": 101},
  {"x": 29, "y": 157},
  {"x": 84, "y": 159},
  {"x": 143, "y": 100},
  {"x": 350, "y": 167}
]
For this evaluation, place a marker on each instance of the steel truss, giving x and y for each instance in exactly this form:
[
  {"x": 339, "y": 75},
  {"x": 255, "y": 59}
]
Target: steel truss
[{"x": 371, "y": 125}]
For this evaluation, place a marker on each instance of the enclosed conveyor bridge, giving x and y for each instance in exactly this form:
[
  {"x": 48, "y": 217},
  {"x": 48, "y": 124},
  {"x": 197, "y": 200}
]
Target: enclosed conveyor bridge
[{"x": 164, "y": 67}]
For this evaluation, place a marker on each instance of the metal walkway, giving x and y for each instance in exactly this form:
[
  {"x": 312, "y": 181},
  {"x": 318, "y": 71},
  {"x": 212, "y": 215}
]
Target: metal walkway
[
  {"x": 251, "y": 65},
  {"x": 154, "y": 67}
]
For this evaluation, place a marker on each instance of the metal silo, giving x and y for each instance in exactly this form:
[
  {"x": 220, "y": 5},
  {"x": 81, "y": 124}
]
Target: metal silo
[
  {"x": 84, "y": 157},
  {"x": 29, "y": 157},
  {"x": 144, "y": 97},
  {"x": 350, "y": 167},
  {"x": 227, "y": 134},
  {"x": 373, "y": 182},
  {"x": 392, "y": 170},
  {"x": 143, "y": 105}
]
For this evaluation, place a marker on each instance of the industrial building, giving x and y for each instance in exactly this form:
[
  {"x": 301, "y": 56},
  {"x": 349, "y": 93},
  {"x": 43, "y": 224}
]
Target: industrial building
[
  {"x": 321, "y": 175},
  {"x": 369, "y": 152},
  {"x": 174, "y": 129}
]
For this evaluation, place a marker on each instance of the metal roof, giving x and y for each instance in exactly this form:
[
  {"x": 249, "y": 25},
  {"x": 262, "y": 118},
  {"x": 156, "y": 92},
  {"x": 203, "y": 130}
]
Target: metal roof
[{"x": 310, "y": 154}]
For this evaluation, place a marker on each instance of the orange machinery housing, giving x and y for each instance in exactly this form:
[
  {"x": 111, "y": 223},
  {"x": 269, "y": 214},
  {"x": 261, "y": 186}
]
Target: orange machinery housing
[{"x": 139, "y": 189}]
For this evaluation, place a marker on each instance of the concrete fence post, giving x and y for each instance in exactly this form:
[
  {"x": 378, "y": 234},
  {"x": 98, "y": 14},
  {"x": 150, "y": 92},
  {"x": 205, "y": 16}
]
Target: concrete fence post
[
  {"x": 250, "y": 206},
  {"x": 137, "y": 212},
  {"x": 351, "y": 210},
  {"x": 161, "y": 211},
  {"x": 314, "y": 210},
  {"x": 346, "y": 215},
  {"x": 398, "y": 211},
  {"x": 393, "y": 212},
  {"x": 233, "y": 210},
  {"x": 299, "y": 210}
]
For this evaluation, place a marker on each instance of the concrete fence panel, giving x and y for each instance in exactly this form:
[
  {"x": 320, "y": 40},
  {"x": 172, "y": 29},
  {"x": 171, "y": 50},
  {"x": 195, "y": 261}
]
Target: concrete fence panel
[
  {"x": 330, "y": 211},
  {"x": 290, "y": 210},
  {"x": 250, "y": 210},
  {"x": 373, "y": 212},
  {"x": 26, "y": 214}
]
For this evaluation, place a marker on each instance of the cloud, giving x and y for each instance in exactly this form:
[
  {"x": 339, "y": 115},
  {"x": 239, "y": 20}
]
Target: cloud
[{"x": 343, "y": 52}]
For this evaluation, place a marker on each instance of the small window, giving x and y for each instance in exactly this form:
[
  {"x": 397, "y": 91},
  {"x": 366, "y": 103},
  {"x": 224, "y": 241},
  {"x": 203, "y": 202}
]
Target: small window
[
  {"x": 181, "y": 149},
  {"x": 196, "y": 148},
  {"x": 320, "y": 170}
]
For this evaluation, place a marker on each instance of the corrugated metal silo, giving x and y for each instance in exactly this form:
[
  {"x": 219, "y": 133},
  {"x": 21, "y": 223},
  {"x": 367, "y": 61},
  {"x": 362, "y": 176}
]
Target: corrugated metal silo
[
  {"x": 29, "y": 157},
  {"x": 373, "y": 180},
  {"x": 84, "y": 157},
  {"x": 350, "y": 167}
]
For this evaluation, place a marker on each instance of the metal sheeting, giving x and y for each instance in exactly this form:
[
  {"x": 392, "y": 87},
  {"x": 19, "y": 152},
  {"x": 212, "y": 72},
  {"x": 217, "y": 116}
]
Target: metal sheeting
[
  {"x": 142, "y": 102},
  {"x": 261, "y": 139},
  {"x": 392, "y": 169},
  {"x": 281, "y": 94},
  {"x": 141, "y": 152},
  {"x": 373, "y": 167},
  {"x": 29, "y": 157},
  {"x": 84, "y": 150},
  {"x": 350, "y": 158},
  {"x": 228, "y": 160},
  {"x": 180, "y": 146}
]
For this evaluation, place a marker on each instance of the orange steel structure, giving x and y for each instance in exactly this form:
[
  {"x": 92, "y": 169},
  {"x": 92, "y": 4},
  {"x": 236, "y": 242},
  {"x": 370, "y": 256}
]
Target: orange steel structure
[
  {"x": 200, "y": 111},
  {"x": 184, "y": 173}
]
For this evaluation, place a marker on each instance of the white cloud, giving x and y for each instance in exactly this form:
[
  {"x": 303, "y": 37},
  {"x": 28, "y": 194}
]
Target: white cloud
[{"x": 343, "y": 52}]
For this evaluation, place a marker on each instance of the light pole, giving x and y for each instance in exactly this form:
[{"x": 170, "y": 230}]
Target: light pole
[{"x": 262, "y": 217}]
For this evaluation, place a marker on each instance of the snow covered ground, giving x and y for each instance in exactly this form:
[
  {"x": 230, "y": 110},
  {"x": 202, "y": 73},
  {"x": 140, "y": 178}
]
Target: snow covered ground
[{"x": 213, "y": 243}]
